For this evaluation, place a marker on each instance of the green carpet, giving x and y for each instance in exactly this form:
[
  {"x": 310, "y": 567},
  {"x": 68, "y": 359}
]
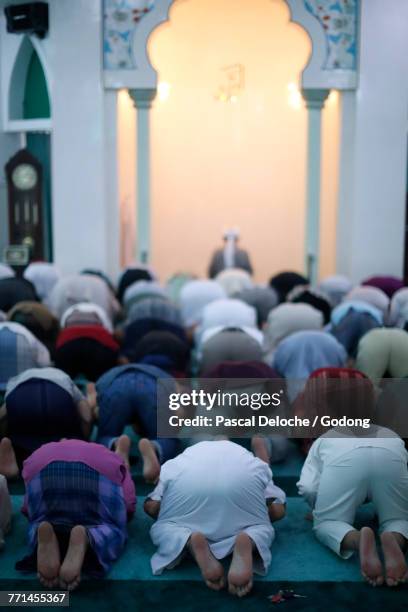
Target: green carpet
[
  {"x": 298, "y": 562},
  {"x": 296, "y": 553},
  {"x": 186, "y": 596}
]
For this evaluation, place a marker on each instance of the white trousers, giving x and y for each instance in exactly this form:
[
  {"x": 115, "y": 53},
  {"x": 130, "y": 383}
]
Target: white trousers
[{"x": 369, "y": 473}]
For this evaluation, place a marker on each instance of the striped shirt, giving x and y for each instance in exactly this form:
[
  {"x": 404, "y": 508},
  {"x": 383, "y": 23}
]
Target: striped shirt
[
  {"x": 53, "y": 375},
  {"x": 19, "y": 350}
]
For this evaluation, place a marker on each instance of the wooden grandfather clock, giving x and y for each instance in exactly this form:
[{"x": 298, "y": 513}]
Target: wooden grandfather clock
[{"x": 24, "y": 182}]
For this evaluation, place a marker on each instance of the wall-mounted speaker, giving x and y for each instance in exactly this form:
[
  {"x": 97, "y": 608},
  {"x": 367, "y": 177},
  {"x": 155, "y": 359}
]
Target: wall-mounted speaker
[{"x": 29, "y": 18}]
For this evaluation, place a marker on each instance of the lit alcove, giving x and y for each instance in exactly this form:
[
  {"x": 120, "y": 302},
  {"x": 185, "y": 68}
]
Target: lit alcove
[{"x": 228, "y": 139}]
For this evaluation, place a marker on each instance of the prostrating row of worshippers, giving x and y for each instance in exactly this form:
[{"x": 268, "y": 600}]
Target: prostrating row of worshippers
[{"x": 80, "y": 361}]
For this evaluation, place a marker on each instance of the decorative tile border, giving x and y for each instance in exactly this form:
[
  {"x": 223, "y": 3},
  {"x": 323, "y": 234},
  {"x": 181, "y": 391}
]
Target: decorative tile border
[
  {"x": 339, "y": 21},
  {"x": 121, "y": 18},
  {"x": 332, "y": 25}
]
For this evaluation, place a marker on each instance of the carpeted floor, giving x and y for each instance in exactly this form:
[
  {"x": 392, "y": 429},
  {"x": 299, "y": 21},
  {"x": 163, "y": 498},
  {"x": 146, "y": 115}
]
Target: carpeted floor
[
  {"x": 192, "y": 596},
  {"x": 304, "y": 560},
  {"x": 299, "y": 562}
]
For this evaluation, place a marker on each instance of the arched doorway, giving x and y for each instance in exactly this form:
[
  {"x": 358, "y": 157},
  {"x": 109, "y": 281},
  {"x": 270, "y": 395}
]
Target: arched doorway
[
  {"x": 241, "y": 160},
  {"x": 29, "y": 102}
]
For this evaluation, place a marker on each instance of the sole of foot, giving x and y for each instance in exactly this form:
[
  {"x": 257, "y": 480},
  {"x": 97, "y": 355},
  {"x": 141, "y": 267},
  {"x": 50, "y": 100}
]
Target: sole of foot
[
  {"x": 211, "y": 569},
  {"x": 240, "y": 571},
  {"x": 370, "y": 564},
  {"x": 70, "y": 572},
  {"x": 8, "y": 462},
  {"x": 48, "y": 556},
  {"x": 396, "y": 569},
  {"x": 122, "y": 448},
  {"x": 151, "y": 465}
]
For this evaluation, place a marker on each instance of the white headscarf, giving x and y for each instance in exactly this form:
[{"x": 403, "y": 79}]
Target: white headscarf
[
  {"x": 227, "y": 312},
  {"x": 44, "y": 276},
  {"x": 255, "y": 334},
  {"x": 87, "y": 307},
  {"x": 224, "y": 344},
  {"x": 286, "y": 319},
  {"x": 79, "y": 288},
  {"x": 371, "y": 295},
  {"x": 234, "y": 280},
  {"x": 194, "y": 296},
  {"x": 335, "y": 287}
]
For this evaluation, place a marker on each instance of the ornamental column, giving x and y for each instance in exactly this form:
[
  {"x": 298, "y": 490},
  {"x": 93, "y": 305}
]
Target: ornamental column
[
  {"x": 142, "y": 99},
  {"x": 314, "y": 100}
]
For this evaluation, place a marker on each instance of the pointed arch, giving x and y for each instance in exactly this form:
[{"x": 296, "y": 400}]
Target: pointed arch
[
  {"x": 29, "y": 95},
  {"x": 36, "y": 102}
]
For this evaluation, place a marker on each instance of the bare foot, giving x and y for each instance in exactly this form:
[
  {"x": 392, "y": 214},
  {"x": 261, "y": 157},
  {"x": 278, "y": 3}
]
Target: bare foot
[
  {"x": 259, "y": 448},
  {"x": 240, "y": 571},
  {"x": 70, "y": 572},
  {"x": 48, "y": 556},
  {"x": 370, "y": 563},
  {"x": 91, "y": 395},
  {"x": 122, "y": 448},
  {"x": 211, "y": 569},
  {"x": 8, "y": 463},
  {"x": 396, "y": 569},
  {"x": 151, "y": 465}
]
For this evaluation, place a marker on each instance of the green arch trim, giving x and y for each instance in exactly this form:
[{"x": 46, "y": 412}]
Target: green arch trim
[{"x": 36, "y": 103}]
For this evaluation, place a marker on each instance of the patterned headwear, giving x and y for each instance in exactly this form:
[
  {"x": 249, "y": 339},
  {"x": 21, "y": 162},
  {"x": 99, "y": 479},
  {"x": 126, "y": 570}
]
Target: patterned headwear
[{"x": 336, "y": 392}]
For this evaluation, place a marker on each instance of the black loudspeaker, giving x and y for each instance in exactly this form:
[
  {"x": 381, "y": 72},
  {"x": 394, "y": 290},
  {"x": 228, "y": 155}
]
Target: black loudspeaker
[{"x": 30, "y": 18}]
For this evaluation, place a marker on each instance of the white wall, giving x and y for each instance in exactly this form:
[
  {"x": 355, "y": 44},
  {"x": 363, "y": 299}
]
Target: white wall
[
  {"x": 84, "y": 124},
  {"x": 371, "y": 226}
]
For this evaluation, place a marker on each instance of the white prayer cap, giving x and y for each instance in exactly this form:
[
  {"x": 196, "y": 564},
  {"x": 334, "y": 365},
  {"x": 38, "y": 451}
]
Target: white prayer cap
[
  {"x": 44, "y": 276},
  {"x": 87, "y": 308},
  {"x": 231, "y": 234}
]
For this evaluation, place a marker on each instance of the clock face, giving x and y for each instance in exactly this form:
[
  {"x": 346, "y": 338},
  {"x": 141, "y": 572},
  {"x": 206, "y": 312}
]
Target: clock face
[{"x": 24, "y": 177}]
